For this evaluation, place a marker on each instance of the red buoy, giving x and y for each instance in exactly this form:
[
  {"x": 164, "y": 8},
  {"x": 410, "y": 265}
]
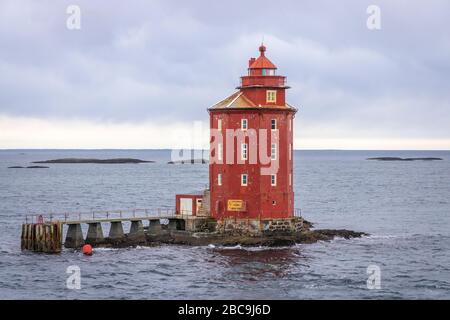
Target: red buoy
[{"x": 87, "y": 249}]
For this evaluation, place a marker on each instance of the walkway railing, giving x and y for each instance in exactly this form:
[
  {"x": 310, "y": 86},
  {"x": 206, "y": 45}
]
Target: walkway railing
[{"x": 107, "y": 215}]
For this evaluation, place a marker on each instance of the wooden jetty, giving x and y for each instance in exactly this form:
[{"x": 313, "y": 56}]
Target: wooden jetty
[
  {"x": 42, "y": 237},
  {"x": 44, "y": 233}
]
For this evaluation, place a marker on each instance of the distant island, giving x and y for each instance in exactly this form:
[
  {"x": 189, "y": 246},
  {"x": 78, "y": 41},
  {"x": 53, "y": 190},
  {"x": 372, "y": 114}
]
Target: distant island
[
  {"x": 403, "y": 159},
  {"x": 29, "y": 167},
  {"x": 98, "y": 161}
]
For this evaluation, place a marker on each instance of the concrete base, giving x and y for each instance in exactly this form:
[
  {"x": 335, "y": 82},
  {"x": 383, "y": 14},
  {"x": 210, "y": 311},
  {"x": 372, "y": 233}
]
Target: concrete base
[
  {"x": 116, "y": 231},
  {"x": 154, "y": 227},
  {"x": 258, "y": 227},
  {"x": 137, "y": 230},
  {"x": 173, "y": 224},
  {"x": 200, "y": 224},
  {"x": 74, "y": 237},
  {"x": 95, "y": 233}
]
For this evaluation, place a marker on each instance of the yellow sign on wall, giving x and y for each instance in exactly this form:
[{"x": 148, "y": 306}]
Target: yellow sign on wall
[{"x": 236, "y": 205}]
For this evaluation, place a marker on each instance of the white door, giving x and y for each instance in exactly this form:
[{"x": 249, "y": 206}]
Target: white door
[
  {"x": 198, "y": 205},
  {"x": 186, "y": 206}
]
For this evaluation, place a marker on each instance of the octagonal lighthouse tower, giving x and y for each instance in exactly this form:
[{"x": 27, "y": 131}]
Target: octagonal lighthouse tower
[{"x": 250, "y": 171}]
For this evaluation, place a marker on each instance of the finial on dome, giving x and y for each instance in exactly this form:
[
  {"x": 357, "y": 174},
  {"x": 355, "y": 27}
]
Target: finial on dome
[{"x": 262, "y": 48}]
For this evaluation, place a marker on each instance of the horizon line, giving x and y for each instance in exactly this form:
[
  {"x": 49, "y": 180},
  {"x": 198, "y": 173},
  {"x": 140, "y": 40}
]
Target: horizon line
[{"x": 161, "y": 149}]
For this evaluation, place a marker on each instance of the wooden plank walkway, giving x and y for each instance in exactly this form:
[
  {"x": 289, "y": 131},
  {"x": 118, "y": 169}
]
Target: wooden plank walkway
[{"x": 104, "y": 216}]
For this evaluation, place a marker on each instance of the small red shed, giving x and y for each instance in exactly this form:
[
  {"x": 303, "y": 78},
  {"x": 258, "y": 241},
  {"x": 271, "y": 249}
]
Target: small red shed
[{"x": 188, "y": 204}]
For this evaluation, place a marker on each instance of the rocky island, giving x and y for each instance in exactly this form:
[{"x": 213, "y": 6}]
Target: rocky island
[
  {"x": 271, "y": 239},
  {"x": 29, "y": 167},
  {"x": 46, "y": 236},
  {"x": 208, "y": 231},
  {"x": 96, "y": 161},
  {"x": 403, "y": 159}
]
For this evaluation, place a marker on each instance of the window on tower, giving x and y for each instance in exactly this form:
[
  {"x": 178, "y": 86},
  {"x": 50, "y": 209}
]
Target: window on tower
[
  {"x": 219, "y": 124},
  {"x": 273, "y": 180},
  {"x": 244, "y": 151},
  {"x": 244, "y": 179},
  {"x": 273, "y": 124},
  {"x": 219, "y": 179},
  {"x": 244, "y": 124},
  {"x": 219, "y": 151},
  {"x": 273, "y": 151},
  {"x": 271, "y": 96}
]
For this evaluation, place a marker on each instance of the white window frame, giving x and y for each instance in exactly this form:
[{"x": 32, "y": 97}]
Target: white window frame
[
  {"x": 244, "y": 184},
  {"x": 219, "y": 152},
  {"x": 272, "y": 122},
  {"x": 273, "y": 180},
  {"x": 242, "y": 124},
  {"x": 273, "y": 151},
  {"x": 290, "y": 179},
  {"x": 219, "y": 124},
  {"x": 219, "y": 179},
  {"x": 271, "y": 96},
  {"x": 244, "y": 151},
  {"x": 290, "y": 151}
]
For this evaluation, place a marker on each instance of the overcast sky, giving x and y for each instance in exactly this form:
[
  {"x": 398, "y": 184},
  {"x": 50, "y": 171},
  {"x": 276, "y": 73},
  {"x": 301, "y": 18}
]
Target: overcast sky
[{"x": 138, "y": 74}]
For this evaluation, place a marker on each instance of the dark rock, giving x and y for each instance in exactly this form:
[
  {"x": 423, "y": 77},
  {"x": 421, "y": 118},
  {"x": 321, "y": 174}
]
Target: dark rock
[
  {"x": 270, "y": 239},
  {"x": 308, "y": 225},
  {"x": 29, "y": 167},
  {"x": 403, "y": 159},
  {"x": 342, "y": 233}
]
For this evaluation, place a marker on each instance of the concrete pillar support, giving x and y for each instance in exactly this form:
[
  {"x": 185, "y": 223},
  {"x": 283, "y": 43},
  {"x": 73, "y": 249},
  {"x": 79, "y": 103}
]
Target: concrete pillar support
[
  {"x": 173, "y": 223},
  {"x": 154, "y": 226},
  {"x": 74, "y": 237},
  {"x": 95, "y": 233},
  {"x": 137, "y": 230},
  {"x": 116, "y": 231}
]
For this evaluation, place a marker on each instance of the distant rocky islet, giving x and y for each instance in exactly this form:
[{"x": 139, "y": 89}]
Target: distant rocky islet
[
  {"x": 95, "y": 161},
  {"x": 404, "y": 159},
  {"x": 82, "y": 161},
  {"x": 29, "y": 167}
]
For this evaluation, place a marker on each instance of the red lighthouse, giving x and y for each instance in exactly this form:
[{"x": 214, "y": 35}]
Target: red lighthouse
[{"x": 250, "y": 171}]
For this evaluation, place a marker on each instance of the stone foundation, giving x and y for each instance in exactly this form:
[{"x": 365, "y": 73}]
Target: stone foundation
[
  {"x": 258, "y": 227},
  {"x": 200, "y": 224}
]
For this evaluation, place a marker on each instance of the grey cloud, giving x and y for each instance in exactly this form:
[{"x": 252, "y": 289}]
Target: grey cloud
[{"x": 163, "y": 60}]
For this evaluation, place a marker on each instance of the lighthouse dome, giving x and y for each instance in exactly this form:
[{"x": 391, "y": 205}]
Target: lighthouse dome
[{"x": 262, "y": 62}]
